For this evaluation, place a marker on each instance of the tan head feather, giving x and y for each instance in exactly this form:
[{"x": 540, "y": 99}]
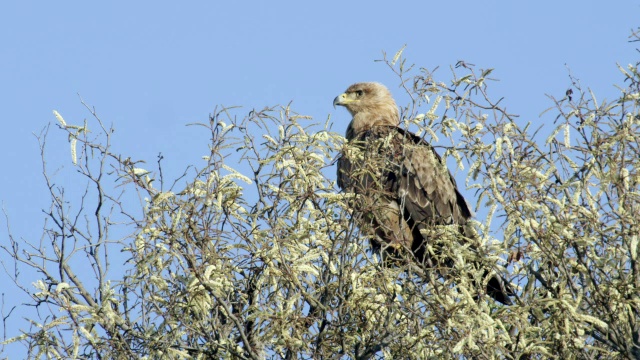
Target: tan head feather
[{"x": 371, "y": 104}]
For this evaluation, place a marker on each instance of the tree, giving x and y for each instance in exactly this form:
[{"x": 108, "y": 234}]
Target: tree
[{"x": 269, "y": 263}]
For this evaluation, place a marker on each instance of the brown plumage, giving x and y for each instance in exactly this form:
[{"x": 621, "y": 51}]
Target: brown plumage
[{"x": 404, "y": 189}]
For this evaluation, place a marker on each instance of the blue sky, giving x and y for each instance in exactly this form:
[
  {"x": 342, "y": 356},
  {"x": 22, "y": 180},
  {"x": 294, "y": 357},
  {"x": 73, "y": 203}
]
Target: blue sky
[{"x": 149, "y": 68}]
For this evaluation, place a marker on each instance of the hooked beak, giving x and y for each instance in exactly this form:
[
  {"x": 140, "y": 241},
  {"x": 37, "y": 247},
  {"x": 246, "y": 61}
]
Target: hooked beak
[{"x": 340, "y": 100}]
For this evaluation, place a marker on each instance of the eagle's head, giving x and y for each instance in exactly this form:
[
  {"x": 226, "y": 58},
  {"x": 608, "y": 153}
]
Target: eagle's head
[{"x": 370, "y": 104}]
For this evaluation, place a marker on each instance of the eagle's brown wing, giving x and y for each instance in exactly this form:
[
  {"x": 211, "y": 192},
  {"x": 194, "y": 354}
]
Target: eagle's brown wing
[
  {"x": 424, "y": 183},
  {"x": 404, "y": 190},
  {"x": 402, "y": 183}
]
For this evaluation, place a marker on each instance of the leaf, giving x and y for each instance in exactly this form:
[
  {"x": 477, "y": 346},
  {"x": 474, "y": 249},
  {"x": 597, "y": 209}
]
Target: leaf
[
  {"x": 634, "y": 247},
  {"x": 140, "y": 171},
  {"x": 73, "y": 143},
  {"x": 60, "y": 119},
  {"x": 397, "y": 55},
  {"x": 485, "y": 73}
]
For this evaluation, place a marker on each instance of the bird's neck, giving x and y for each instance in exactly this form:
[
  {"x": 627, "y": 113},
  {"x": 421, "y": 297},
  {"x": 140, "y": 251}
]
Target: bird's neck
[{"x": 366, "y": 121}]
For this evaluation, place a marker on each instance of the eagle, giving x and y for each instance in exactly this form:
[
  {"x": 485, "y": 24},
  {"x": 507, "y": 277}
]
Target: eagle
[{"x": 405, "y": 196}]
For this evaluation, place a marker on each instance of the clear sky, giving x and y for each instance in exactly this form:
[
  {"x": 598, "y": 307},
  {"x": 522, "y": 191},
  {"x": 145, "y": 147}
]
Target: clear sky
[{"x": 149, "y": 68}]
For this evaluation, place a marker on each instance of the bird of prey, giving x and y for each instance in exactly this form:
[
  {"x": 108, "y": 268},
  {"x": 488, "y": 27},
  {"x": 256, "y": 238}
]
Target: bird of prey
[{"x": 405, "y": 195}]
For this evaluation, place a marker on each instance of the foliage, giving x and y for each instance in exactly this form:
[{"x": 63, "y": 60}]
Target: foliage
[{"x": 264, "y": 260}]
